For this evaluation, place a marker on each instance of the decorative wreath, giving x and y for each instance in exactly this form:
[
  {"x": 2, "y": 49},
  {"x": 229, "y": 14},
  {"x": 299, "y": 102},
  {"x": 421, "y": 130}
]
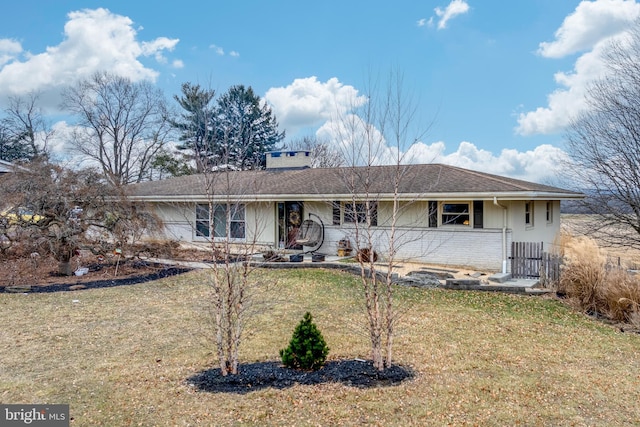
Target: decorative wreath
[{"x": 294, "y": 218}]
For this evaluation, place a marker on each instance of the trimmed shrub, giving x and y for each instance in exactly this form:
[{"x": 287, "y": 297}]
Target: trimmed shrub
[{"x": 307, "y": 349}]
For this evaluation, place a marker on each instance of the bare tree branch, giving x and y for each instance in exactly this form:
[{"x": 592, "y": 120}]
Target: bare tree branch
[
  {"x": 603, "y": 144},
  {"x": 122, "y": 125}
]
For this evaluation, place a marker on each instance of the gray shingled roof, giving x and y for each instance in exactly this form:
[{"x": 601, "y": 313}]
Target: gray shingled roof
[{"x": 425, "y": 179}]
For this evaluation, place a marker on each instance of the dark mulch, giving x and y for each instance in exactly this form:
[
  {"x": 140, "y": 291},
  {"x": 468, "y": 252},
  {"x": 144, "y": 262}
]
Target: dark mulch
[
  {"x": 257, "y": 376},
  {"x": 105, "y": 283}
]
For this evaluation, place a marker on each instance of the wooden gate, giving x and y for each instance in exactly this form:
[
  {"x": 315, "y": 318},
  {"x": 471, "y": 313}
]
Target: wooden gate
[
  {"x": 526, "y": 260},
  {"x": 550, "y": 270}
]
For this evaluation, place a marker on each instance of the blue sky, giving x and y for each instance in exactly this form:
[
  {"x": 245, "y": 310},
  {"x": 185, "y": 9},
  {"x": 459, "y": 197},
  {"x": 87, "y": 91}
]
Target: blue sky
[{"x": 497, "y": 79}]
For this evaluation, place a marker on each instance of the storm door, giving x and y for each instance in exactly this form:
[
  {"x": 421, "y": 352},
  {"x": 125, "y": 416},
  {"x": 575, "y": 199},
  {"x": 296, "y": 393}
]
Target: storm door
[{"x": 290, "y": 217}]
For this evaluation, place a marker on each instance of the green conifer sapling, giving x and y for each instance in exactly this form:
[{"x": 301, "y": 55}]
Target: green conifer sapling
[{"x": 307, "y": 348}]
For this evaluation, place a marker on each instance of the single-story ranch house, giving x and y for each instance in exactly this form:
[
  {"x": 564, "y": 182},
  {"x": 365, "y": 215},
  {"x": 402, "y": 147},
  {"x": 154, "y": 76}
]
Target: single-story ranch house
[{"x": 447, "y": 215}]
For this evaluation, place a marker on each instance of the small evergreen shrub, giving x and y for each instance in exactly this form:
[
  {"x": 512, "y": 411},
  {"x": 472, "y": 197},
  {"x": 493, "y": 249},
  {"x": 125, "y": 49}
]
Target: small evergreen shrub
[{"x": 307, "y": 348}]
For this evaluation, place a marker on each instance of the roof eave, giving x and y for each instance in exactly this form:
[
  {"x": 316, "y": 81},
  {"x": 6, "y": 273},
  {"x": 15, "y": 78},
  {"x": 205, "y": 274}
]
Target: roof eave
[{"x": 505, "y": 196}]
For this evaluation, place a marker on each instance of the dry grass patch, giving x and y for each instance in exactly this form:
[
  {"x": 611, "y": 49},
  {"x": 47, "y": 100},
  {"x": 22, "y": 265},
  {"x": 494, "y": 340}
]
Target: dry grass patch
[
  {"x": 121, "y": 356},
  {"x": 583, "y": 225},
  {"x": 595, "y": 285}
]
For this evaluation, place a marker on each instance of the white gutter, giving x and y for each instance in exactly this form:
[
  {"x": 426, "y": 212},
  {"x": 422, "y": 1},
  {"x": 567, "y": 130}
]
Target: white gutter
[
  {"x": 504, "y": 234},
  {"x": 410, "y": 197}
]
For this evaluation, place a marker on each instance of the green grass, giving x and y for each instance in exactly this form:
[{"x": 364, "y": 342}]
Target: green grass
[{"x": 120, "y": 357}]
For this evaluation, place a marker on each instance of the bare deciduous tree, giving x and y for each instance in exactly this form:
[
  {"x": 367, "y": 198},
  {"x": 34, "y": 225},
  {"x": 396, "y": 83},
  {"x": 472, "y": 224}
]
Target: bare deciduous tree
[
  {"x": 122, "y": 125},
  {"x": 603, "y": 144},
  {"x": 24, "y": 132},
  {"x": 233, "y": 235},
  {"x": 323, "y": 155},
  {"x": 231, "y": 228},
  {"x": 373, "y": 134},
  {"x": 224, "y": 139}
]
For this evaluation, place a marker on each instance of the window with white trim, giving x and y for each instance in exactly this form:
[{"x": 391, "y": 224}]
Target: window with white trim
[
  {"x": 549, "y": 212},
  {"x": 223, "y": 214},
  {"x": 455, "y": 214},
  {"x": 528, "y": 213},
  {"x": 355, "y": 212}
]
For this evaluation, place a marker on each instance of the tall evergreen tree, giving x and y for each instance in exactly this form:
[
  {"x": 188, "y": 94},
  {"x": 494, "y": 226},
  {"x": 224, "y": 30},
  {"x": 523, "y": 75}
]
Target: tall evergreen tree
[
  {"x": 196, "y": 124},
  {"x": 246, "y": 129},
  {"x": 236, "y": 131},
  {"x": 10, "y": 149}
]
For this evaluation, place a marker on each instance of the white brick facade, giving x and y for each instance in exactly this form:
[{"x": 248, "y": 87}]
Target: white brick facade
[{"x": 477, "y": 248}]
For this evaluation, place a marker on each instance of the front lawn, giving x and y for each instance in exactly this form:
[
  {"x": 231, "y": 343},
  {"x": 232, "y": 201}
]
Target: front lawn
[{"x": 121, "y": 357}]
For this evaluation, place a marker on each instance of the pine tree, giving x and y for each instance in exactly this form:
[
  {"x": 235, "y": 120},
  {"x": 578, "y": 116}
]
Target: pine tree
[
  {"x": 246, "y": 129},
  {"x": 237, "y": 131},
  {"x": 195, "y": 124},
  {"x": 307, "y": 348}
]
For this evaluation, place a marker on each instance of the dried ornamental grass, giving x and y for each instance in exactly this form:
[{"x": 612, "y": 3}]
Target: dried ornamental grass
[
  {"x": 621, "y": 292},
  {"x": 595, "y": 286},
  {"x": 584, "y": 273}
]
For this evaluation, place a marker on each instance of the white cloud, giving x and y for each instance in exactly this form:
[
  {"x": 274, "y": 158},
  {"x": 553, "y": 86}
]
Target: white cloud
[
  {"x": 308, "y": 102},
  {"x": 60, "y": 149},
  {"x": 538, "y": 165},
  {"x": 542, "y": 164},
  {"x": 330, "y": 107},
  {"x": 10, "y": 46},
  {"x": 217, "y": 49},
  {"x": 591, "y": 22},
  {"x": 94, "y": 40},
  {"x": 351, "y": 135},
  {"x": 455, "y": 8},
  {"x": 568, "y": 100},
  {"x": 156, "y": 47},
  {"x": 591, "y": 27},
  {"x": 421, "y": 22},
  {"x": 9, "y": 49}
]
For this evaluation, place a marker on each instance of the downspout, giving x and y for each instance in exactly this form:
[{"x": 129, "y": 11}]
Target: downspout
[{"x": 504, "y": 234}]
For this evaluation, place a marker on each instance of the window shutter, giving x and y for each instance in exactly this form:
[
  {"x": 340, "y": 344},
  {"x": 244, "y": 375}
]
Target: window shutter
[
  {"x": 336, "y": 213},
  {"x": 433, "y": 213},
  {"x": 478, "y": 213},
  {"x": 374, "y": 213}
]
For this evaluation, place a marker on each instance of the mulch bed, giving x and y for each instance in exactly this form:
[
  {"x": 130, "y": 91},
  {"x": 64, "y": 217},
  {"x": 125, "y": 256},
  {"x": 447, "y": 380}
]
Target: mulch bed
[
  {"x": 41, "y": 274},
  {"x": 76, "y": 285},
  {"x": 261, "y": 375}
]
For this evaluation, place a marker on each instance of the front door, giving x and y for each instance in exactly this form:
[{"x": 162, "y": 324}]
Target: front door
[{"x": 290, "y": 216}]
